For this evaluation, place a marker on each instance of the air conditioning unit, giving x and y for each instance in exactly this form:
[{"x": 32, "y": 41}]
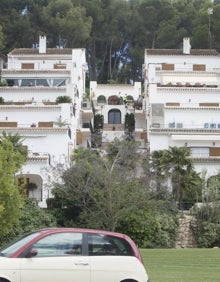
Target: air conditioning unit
[
  {"x": 156, "y": 125},
  {"x": 86, "y": 104},
  {"x": 212, "y": 125},
  {"x": 142, "y": 143},
  {"x": 172, "y": 125},
  {"x": 179, "y": 125}
]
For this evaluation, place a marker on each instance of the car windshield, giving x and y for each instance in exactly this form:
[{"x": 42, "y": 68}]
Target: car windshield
[{"x": 15, "y": 246}]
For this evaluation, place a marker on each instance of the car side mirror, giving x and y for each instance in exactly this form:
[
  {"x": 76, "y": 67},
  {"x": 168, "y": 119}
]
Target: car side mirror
[{"x": 32, "y": 253}]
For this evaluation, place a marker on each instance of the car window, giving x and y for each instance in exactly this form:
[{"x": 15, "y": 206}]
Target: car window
[
  {"x": 59, "y": 244},
  {"x": 100, "y": 245},
  {"x": 15, "y": 246}
]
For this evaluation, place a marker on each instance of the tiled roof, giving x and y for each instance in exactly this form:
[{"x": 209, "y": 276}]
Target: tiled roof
[
  {"x": 33, "y": 51},
  {"x": 175, "y": 52}
]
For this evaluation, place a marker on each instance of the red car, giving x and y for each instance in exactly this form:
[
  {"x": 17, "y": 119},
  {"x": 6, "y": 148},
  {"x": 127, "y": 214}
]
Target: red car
[{"x": 72, "y": 255}]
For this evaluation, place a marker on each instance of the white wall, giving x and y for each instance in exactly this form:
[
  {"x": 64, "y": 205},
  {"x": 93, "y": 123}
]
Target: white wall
[
  {"x": 113, "y": 89},
  {"x": 37, "y": 94},
  {"x": 26, "y": 115},
  {"x": 192, "y": 118}
]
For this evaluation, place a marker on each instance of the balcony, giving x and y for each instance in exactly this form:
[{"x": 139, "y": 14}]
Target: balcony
[{"x": 187, "y": 85}]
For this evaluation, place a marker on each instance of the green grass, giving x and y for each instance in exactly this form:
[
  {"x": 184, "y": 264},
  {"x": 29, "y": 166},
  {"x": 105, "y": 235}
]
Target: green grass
[{"x": 182, "y": 265}]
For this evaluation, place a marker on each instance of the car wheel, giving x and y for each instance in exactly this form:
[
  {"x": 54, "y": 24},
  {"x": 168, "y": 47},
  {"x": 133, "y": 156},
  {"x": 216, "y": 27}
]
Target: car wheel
[
  {"x": 127, "y": 280},
  {"x": 4, "y": 280}
]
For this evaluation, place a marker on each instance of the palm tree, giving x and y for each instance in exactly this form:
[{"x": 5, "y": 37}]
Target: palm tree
[
  {"x": 175, "y": 164},
  {"x": 157, "y": 168},
  {"x": 16, "y": 140}
]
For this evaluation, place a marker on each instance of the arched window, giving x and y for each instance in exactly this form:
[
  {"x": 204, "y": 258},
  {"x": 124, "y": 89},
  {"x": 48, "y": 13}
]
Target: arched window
[
  {"x": 101, "y": 99},
  {"x": 114, "y": 116}
]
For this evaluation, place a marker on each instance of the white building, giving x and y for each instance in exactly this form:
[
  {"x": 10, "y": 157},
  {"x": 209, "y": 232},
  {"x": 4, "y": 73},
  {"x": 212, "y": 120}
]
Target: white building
[
  {"x": 36, "y": 77},
  {"x": 107, "y": 100},
  {"x": 183, "y": 102}
]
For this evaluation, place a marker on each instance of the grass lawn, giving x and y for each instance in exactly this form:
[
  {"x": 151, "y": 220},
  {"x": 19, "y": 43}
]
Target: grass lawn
[{"x": 182, "y": 265}]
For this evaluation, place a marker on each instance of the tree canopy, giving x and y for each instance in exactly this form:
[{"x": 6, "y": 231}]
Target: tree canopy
[
  {"x": 109, "y": 192},
  {"x": 99, "y": 192}
]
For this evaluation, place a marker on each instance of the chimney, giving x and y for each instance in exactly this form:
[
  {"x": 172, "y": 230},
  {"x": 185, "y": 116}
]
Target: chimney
[
  {"x": 42, "y": 44},
  {"x": 186, "y": 45}
]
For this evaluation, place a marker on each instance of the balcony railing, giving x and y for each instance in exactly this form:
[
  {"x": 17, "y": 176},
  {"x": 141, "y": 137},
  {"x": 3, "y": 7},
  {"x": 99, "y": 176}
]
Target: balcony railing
[
  {"x": 179, "y": 126},
  {"x": 187, "y": 84}
]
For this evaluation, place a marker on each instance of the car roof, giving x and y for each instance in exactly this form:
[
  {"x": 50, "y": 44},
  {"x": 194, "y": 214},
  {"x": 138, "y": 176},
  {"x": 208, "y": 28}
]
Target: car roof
[{"x": 82, "y": 230}]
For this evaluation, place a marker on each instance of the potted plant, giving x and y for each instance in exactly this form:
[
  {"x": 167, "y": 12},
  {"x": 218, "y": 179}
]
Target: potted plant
[{"x": 63, "y": 99}]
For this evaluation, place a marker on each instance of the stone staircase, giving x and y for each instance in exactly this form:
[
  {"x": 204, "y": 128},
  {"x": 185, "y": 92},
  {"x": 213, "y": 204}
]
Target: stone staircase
[{"x": 186, "y": 239}]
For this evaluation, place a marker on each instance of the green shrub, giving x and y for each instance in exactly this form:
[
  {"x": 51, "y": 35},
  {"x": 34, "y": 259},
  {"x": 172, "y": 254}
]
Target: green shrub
[
  {"x": 32, "y": 218},
  {"x": 63, "y": 99},
  {"x": 151, "y": 228},
  {"x": 208, "y": 226},
  {"x": 130, "y": 122},
  {"x": 3, "y": 83}
]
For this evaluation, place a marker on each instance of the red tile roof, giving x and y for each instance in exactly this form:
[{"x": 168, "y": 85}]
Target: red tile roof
[
  {"x": 33, "y": 51},
  {"x": 178, "y": 52}
]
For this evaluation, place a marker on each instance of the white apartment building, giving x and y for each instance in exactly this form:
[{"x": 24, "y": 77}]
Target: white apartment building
[
  {"x": 182, "y": 88},
  {"x": 36, "y": 77},
  {"x": 180, "y": 107}
]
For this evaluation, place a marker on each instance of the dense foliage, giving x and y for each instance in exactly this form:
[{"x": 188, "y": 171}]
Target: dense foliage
[
  {"x": 207, "y": 232},
  {"x": 176, "y": 166},
  {"x": 107, "y": 192},
  {"x": 31, "y": 218},
  {"x": 18, "y": 215},
  {"x": 12, "y": 157},
  {"x": 114, "y": 32}
]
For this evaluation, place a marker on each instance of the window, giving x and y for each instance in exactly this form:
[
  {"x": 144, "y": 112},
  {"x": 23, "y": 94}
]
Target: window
[
  {"x": 114, "y": 116},
  {"x": 27, "y": 82},
  {"x": 199, "y": 152},
  {"x": 15, "y": 246},
  {"x": 27, "y": 66},
  {"x": 59, "y": 66},
  {"x": 58, "y": 82},
  {"x": 199, "y": 67},
  {"x": 101, "y": 99},
  {"x": 168, "y": 67},
  {"x": 60, "y": 244},
  {"x": 101, "y": 245},
  {"x": 41, "y": 82}
]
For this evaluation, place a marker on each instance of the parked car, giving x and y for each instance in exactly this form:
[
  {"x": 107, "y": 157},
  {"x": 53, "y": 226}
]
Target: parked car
[{"x": 72, "y": 255}]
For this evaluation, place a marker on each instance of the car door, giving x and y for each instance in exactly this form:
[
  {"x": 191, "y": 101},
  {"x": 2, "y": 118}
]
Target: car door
[
  {"x": 56, "y": 258},
  {"x": 112, "y": 258}
]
